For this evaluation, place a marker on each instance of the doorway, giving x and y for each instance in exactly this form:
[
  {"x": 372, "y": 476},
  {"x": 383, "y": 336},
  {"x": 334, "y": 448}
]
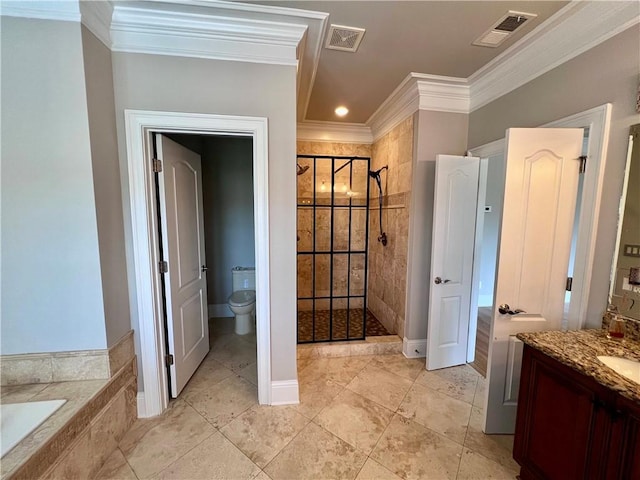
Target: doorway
[
  {"x": 147, "y": 301},
  {"x": 224, "y": 175}
]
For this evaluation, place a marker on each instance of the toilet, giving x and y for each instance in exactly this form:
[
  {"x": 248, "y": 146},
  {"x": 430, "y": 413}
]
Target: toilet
[{"x": 242, "y": 301}]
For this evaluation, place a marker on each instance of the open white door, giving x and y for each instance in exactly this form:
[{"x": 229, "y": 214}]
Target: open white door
[
  {"x": 180, "y": 192},
  {"x": 542, "y": 169},
  {"x": 454, "y": 218}
]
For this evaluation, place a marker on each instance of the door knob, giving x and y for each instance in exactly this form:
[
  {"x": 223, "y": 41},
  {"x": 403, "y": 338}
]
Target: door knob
[
  {"x": 204, "y": 268},
  {"x": 505, "y": 309},
  {"x": 438, "y": 281}
]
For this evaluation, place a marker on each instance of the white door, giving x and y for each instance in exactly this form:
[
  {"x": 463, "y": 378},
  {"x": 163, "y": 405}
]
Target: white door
[
  {"x": 542, "y": 169},
  {"x": 454, "y": 219},
  {"x": 180, "y": 188}
]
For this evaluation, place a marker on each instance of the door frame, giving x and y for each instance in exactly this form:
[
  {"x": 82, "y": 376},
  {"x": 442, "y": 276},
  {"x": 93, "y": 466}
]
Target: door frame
[
  {"x": 598, "y": 121},
  {"x": 147, "y": 303}
]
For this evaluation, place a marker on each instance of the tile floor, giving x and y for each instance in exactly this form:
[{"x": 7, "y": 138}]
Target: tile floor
[{"x": 365, "y": 417}]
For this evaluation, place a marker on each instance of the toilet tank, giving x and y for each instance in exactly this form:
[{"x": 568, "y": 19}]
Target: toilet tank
[{"x": 243, "y": 278}]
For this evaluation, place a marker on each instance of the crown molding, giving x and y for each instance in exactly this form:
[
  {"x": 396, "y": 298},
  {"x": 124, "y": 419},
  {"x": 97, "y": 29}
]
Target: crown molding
[
  {"x": 576, "y": 28},
  {"x": 96, "y": 16},
  {"x": 148, "y": 29},
  {"x": 420, "y": 92},
  {"x": 334, "y": 132},
  {"x": 68, "y": 11}
]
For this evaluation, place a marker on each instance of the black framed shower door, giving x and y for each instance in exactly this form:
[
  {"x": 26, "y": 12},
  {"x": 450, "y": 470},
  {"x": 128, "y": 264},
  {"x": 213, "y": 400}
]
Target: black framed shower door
[{"x": 333, "y": 235}]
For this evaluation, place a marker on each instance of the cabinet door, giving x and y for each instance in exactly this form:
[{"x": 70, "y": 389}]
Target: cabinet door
[
  {"x": 555, "y": 418},
  {"x": 624, "y": 455}
]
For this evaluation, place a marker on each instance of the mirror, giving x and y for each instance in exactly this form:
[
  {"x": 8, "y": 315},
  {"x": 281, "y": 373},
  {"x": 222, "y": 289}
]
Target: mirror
[{"x": 624, "y": 293}]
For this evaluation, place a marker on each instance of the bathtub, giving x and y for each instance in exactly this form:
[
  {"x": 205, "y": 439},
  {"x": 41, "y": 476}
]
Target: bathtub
[{"x": 17, "y": 420}]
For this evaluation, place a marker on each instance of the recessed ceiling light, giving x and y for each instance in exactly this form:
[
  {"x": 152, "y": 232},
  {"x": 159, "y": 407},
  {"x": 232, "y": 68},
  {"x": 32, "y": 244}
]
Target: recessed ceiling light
[{"x": 341, "y": 111}]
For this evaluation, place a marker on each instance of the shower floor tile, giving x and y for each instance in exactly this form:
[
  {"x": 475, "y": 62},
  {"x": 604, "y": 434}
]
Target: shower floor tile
[{"x": 323, "y": 325}]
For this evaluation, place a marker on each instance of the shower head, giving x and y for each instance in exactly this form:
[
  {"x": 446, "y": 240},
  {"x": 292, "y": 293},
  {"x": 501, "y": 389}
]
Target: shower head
[
  {"x": 376, "y": 173},
  {"x": 300, "y": 169}
]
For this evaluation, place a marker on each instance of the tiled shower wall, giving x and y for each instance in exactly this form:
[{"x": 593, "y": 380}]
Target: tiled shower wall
[
  {"x": 323, "y": 226},
  {"x": 386, "y": 296}
]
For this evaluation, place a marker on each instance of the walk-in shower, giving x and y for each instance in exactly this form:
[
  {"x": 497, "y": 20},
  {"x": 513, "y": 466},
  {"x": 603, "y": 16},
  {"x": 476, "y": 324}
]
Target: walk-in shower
[{"x": 333, "y": 231}]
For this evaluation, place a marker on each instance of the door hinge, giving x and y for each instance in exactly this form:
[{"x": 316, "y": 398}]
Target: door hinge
[
  {"x": 163, "y": 267},
  {"x": 168, "y": 360},
  {"x": 157, "y": 165},
  {"x": 569, "y": 284},
  {"x": 583, "y": 163}
]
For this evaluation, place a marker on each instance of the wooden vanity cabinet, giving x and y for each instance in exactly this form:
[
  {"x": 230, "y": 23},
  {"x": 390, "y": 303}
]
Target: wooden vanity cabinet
[{"x": 569, "y": 426}]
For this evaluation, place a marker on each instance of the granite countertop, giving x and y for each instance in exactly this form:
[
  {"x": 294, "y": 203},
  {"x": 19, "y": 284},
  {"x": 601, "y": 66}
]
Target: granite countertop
[{"x": 579, "y": 349}]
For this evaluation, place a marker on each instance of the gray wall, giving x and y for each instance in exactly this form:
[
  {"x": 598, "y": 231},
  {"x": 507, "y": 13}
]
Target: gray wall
[
  {"x": 608, "y": 73},
  {"x": 51, "y": 285},
  {"x": 227, "y": 184},
  {"x": 165, "y": 83},
  {"x": 106, "y": 184},
  {"x": 434, "y": 133},
  {"x": 491, "y": 229}
]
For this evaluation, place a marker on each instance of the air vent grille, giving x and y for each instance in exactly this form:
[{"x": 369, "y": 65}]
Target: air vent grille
[
  {"x": 503, "y": 28},
  {"x": 510, "y": 23},
  {"x": 346, "y": 39}
]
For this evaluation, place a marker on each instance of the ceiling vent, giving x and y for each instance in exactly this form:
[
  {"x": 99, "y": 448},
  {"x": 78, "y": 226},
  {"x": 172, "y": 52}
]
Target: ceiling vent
[
  {"x": 346, "y": 39},
  {"x": 504, "y": 27}
]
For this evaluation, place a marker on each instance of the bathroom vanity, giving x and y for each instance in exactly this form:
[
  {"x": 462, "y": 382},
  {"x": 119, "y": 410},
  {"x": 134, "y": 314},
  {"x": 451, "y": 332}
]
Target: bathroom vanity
[{"x": 576, "y": 417}]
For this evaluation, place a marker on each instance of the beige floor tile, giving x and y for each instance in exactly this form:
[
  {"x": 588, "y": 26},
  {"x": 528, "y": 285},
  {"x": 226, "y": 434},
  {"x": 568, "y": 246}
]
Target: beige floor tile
[
  {"x": 230, "y": 398},
  {"x": 215, "y": 458},
  {"x": 20, "y": 393},
  {"x": 262, "y": 431},
  {"x": 372, "y": 470},
  {"x": 116, "y": 468},
  {"x": 262, "y": 476},
  {"x": 474, "y": 466},
  {"x": 209, "y": 373},
  {"x": 314, "y": 396},
  {"x": 355, "y": 419},
  {"x": 479, "y": 396},
  {"x": 457, "y": 382},
  {"x": 235, "y": 354},
  {"x": 340, "y": 370},
  {"x": 152, "y": 445},
  {"x": 437, "y": 411},
  {"x": 381, "y": 386},
  {"x": 303, "y": 362},
  {"x": 316, "y": 454},
  {"x": 412, "y": 451},
  {"x": 250, "y": 373},
  {"x": 498, "y": 448},
  {"x": 400, "y": 365}
]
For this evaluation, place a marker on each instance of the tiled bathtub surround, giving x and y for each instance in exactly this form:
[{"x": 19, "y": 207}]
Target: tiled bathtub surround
[
  {"x": 76, "y": 440},
  {"x": 66, "y": 366},
  {"x": 386, "y": 289}
]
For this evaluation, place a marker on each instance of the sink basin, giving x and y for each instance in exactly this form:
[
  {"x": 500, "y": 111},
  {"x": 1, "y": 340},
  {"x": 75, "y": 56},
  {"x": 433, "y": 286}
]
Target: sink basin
[{"x": 623, "y": 366}]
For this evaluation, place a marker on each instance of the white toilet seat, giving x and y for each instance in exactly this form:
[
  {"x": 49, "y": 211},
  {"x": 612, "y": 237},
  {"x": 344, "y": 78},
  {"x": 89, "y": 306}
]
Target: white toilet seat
[{"x": 242, "y": 298}]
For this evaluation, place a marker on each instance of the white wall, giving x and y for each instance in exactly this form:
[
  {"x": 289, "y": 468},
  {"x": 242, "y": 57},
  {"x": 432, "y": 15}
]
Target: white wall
[
  {"x": 608, "y": 73},
  {"x": 51, "y": 284},
  {"x": 164, "y": 83},
  {"x": 227, "y": 185},
  {"x": 434, "y": 133},
  {"x": 106, "y": 184}
]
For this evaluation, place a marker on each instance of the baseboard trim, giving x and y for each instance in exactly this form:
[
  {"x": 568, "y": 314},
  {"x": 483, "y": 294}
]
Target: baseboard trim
[
  {"x": 284, "y": 392},
  {"x": 414, "y": 348},
  {"x": 220, "y": 310},
  {"x": 142, "y": 406}
]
